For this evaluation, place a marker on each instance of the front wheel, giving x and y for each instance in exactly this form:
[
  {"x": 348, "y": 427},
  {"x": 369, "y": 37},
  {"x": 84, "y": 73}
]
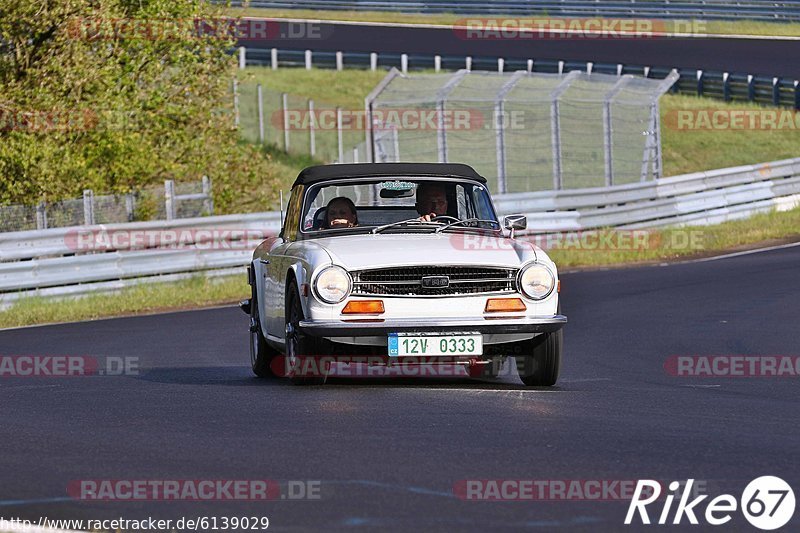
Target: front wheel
[
  {"x": 540, "y": 367},
  {"x": 302, "y": 352}
]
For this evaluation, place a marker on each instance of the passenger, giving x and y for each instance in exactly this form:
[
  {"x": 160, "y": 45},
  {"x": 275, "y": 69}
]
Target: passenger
[
  {"x": 431, "y": 200},
  {"x": 340, "y": 213}
]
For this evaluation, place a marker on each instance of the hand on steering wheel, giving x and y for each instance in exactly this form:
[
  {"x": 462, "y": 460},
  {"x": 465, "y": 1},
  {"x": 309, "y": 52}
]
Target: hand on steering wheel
[{"x": 438, "y": 217}]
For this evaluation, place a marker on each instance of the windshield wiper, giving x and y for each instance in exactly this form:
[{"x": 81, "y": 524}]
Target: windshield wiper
[
  {"x": 409, "y": 221},
  {"x": 467, "y": 220}
]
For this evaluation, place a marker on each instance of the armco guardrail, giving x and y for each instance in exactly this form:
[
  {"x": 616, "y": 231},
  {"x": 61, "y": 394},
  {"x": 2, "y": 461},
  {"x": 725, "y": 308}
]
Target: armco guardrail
[
  {"x": 53, "y": 263},
  {"x": 727, "y": 86},
  {"x": 786, "y": 10}
]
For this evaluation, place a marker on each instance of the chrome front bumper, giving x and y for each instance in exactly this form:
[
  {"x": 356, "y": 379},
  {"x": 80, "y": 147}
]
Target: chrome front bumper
[{"x": 374, "y": 327}]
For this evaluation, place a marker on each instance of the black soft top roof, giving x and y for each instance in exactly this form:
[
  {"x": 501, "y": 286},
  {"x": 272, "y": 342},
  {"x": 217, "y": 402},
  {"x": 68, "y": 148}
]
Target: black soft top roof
[{"x": 328, "y": 172}]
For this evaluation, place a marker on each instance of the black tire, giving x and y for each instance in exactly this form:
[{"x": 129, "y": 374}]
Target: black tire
[
  {"x": 540, "y": 366},
  {"x": 262, "y": 354},
  {"x": 298, "y": 345}
]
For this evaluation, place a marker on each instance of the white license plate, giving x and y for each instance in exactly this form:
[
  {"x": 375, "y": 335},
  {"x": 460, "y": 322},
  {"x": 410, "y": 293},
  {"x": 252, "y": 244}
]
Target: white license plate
[{"x": 419, "y": 344}]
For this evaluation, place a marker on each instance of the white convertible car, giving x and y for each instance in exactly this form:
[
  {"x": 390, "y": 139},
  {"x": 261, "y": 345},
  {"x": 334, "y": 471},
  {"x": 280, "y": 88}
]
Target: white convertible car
[{"x": 405, "y": 263}]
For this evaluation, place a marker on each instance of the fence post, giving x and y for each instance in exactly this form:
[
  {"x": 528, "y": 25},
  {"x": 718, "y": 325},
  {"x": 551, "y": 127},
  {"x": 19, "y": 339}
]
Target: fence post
[
  {"x": 530, "y": 65},
  {"x": 285, "y": 106},
  {"x": 88, "y": 207},
  {"x": 608, "y": 128},
  {"x": 41, "y": 216},
  {"x": 561, "y": 67},
  {"x": 273, "y": 58},
  {"x": 208, "y": 202},
  {"x": 501, "y": 63},
  {"x": 776, "y": 91},
  {"x": 260, "y": 95},
  {"x": 373, "y": 61},
  {"x": 646, "y": 72},
  {"x": 130, "y": 206},
  {"x": 242, "y": 57},
  {"x": 308, "y": 59},
  {"x": 339, "y": 134},
  {"x": 437, "y": 63},
  {"x": 312, "y": 135},
  {"x": 441, "y": 130},
  {"x": 404, "y": 63},
  {"x": 555, "y": 127},
  {"x": 500, "y": 129},
  {"x": 339, "y": 61},
  {"x": 589, "y": 67},
  {"x": 619, "y": 69},
  {"x": 355, "y": 154},
  {"x": 796, "y": 95},
  {"x": 751, "y": 87},
  {"x": 468, "y": 63},
  {"x": 236, "y": 117},
  {"x": 726, "y": 87},
  {"x": 699, "y": 82},
  {"x": 169, "y": 199}
]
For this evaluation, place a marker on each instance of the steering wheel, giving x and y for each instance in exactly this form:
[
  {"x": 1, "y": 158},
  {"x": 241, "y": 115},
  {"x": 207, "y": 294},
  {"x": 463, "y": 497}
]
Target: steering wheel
[{"x": 438, "y": 217}]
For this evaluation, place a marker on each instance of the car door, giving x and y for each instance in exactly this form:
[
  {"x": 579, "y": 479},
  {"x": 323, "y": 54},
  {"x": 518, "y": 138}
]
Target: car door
[{"x": 274, "y": 274}]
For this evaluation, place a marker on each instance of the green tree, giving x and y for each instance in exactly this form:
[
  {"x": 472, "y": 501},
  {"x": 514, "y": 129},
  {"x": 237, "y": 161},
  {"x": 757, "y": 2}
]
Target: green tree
[{"x": 118, "y": 95}]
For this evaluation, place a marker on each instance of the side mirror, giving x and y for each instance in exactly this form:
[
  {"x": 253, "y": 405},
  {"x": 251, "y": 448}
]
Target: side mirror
[{"x": 515, "y": 222}]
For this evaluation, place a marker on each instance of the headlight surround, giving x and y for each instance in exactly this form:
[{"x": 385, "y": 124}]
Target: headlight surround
[
  {"x": 332, "y": 284},
  {"x": 536, "y": 281}
]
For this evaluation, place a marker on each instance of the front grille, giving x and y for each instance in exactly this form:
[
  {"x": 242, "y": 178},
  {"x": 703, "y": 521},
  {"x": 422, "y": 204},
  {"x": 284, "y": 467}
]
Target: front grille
[{"x": 407, "y": 281}]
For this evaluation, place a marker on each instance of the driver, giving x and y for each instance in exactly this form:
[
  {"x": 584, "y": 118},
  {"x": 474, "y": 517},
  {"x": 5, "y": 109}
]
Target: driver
[
  {"x": 341, "y": 213},
  {"x": 431, "y": 200}
]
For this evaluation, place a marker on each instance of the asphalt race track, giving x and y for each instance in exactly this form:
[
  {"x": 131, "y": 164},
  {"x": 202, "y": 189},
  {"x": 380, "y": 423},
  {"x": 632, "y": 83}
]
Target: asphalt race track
[
  {"x": 746, "y": 56},
  {"x": 387, "y": 453}
]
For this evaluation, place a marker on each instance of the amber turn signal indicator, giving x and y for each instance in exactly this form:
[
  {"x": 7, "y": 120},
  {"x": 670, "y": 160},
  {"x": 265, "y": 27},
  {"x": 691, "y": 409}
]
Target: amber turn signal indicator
[
  {"x": 363, "y": 307},
  {"x": 499, "y": 305}
]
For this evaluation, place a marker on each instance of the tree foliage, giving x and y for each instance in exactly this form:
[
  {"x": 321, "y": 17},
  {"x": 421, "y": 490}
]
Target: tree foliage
[{"x": 118, "y": 95}]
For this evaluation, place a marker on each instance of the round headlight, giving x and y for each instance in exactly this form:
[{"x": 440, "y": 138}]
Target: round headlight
[
  {"x": 536, "y": 281},
  {"x": 332, "y": 285}
]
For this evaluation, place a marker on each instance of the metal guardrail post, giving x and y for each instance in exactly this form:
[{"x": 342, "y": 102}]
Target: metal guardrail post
[
  {"x": 796, "y": 94},
  {"x": 339, "y": 61},
  {"x": 41, "y": 215},
  {"x": 285, "y": 107},
  {"x": 273, "y": 58},
  {"x": 308, "y": 60},
  {"x": 236, "y": 117},
  {"x": 312, "y": 130},
  {"x": 726, "y": 87},
  {"x": 437, "y": 63},
  {"x": 530, "y": 66},
  {"x": 339, "y": 134},
  {"x": 699, "y": 82},
  {"x": 373, "y": 61},
  {"x": 208, "y": 203},
  {"x": 88, "y": 207},
  {"x": 260, "y": 104},
  {"x": 751, "y": 88},
  {"x": 501, "y": 64},
  {"x": 169, "y": 199},
  {"x": 776, "y": 91},
  {"x": 242, "y": 57},
  {"x": 404, "y": 63},
  {"x": 468, "y": 63}
]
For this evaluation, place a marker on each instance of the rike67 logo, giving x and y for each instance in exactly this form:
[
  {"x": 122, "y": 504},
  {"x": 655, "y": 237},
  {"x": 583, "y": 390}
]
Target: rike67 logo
[{"x": 767, "y": 503}]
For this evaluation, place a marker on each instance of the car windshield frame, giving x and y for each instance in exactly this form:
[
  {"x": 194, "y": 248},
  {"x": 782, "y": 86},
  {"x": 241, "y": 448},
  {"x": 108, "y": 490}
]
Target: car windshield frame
[{"x": 422, "y": 228}]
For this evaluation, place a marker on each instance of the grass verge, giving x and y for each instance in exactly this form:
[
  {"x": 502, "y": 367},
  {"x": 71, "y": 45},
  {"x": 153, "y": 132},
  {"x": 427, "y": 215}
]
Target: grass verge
[
  {"x": 661, "y": 245},
  {"x": 713, "y": 27}
]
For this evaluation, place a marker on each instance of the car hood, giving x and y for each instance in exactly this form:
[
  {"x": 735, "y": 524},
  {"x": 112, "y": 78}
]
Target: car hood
[{"x": 356, "y": 252}]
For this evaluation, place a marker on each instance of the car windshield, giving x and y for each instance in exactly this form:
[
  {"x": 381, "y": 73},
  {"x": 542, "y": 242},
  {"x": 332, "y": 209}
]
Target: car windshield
[{"x": 397, "y": 204}]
